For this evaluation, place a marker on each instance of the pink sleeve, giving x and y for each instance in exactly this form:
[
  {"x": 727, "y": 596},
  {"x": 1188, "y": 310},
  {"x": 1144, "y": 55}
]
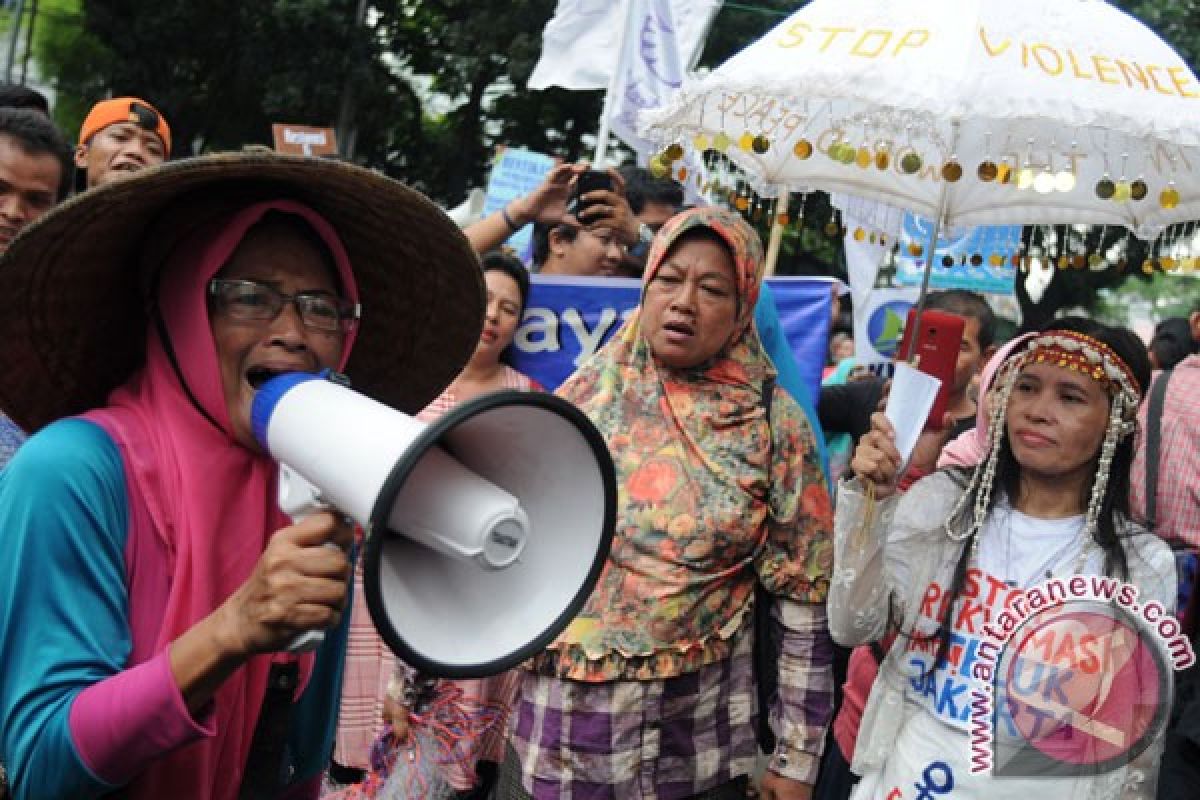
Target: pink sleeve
[{"x": 123, "y": 723}]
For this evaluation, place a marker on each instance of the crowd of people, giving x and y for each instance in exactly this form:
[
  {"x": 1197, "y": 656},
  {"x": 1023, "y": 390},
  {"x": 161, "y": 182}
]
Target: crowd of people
[{"x": 790, "y": 609}]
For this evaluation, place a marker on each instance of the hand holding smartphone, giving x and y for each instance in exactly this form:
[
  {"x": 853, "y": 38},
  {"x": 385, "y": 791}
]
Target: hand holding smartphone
[
  {"x": 589, "y": 181},
  {"x": 935, "y": 353}
]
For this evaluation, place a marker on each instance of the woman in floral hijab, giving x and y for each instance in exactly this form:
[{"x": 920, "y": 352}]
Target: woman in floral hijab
[{"x": 650, "y": 691}]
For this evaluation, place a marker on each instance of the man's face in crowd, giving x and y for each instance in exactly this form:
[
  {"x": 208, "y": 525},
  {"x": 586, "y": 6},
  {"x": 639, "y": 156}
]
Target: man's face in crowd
[
  {"x": 28, "y": 187},
  {"x": 971, "y": 357},
  {"x": 118, "y": 151},
  {"x": 655, "y": 214}
]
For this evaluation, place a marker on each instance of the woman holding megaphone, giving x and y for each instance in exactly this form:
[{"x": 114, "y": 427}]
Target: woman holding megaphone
[
  {"x": 650, "y": 690},
  {"x": 151, "y": 585}
]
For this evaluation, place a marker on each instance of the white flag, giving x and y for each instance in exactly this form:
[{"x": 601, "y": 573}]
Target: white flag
[
  {"x": 579, "y": 44},
  {"x": 649, "y": 70}
]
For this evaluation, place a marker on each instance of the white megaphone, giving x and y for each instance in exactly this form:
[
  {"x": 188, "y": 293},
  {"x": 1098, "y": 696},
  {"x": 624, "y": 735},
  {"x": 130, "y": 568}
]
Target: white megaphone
[{"x": 486, "y": 530}]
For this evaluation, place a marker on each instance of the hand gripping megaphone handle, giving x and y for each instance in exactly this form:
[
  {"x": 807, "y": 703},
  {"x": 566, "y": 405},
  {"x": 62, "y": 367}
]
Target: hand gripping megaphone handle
[{"x": 299, "y": 499}]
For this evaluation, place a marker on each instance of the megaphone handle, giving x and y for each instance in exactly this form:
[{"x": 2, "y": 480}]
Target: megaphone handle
[
  {"x": 309, "y": 640},
  {"x": 299, "y": 499}
]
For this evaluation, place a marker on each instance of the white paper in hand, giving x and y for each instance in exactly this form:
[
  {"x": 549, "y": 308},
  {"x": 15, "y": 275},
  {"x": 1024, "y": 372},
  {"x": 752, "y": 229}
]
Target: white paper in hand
[{"x": 908, "y": 406}]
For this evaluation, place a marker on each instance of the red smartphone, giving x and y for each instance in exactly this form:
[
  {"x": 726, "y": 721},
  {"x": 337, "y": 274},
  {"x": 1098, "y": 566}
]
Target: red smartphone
[{"x": 936, "y": 354}]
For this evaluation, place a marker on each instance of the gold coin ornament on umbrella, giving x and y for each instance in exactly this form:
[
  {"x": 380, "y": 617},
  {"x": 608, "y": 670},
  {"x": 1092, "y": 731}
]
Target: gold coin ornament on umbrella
[{"x": 966, "y": 113}]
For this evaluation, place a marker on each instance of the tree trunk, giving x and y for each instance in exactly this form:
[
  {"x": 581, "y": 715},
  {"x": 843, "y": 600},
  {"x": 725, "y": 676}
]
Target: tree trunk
[
  {"x": 347, "y": 129},
  {"x": 469, "y": 135}
]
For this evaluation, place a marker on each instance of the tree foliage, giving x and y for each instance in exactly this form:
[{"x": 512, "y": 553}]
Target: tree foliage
[
  {"x": 476, "y": 55},
  {"x": 431, "y": 86}
]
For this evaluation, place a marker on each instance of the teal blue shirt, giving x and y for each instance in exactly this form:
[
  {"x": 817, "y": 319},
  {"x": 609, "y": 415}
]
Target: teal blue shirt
[{"x": 64, "y": 612}]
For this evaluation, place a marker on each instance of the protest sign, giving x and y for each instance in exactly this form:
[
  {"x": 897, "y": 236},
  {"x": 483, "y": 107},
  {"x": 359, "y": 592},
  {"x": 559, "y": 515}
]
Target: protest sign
[
  {"x": 304, "y": 140},
  {"x": 515, "y": 174},
  {"x": 879, "y": 324}
]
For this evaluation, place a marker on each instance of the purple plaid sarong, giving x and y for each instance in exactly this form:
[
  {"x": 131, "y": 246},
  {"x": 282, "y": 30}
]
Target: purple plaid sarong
[{"x": 666, "y": 739}]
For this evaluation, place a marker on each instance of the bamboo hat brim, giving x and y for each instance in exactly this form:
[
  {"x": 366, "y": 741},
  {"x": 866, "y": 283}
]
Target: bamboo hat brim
[{"x": 73, "y": 297}]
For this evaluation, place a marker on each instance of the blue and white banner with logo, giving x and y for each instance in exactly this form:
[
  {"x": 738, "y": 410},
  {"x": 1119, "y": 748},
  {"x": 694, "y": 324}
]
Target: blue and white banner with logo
[
  {"x": 568, "y": 319},
  {"x": 879, "y": 324}
]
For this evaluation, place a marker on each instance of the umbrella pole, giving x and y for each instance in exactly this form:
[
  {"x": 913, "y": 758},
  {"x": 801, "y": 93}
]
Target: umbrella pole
[
  {"x": 931, "y": 252},
  {"x": 930, "y": 255},
  {"x": 775, "y": 241}
]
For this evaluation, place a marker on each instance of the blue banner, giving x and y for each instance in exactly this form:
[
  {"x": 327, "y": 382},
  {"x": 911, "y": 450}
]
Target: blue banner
[
  {"x": 568, "y": 319},
  {"x": 805, "y": 306},
  {"x": 977, "y": 259}
]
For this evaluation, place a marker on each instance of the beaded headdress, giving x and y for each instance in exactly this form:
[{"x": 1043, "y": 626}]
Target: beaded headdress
[{"x": 1079, "y": 353}]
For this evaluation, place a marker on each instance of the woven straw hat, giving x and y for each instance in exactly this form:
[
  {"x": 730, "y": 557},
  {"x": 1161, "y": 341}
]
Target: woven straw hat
[{"x": 73, "y": 284}]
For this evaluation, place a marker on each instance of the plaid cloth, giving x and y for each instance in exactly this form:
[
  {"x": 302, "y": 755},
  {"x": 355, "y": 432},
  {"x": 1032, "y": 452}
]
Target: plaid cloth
[
  {"x": 677, "y": 737},
  {"x": 1179, "y": 460},
  {"x": 368, "y": 667},
  {"x": 11, "y": 438},
  {"x": 447, "y": 401},
  {"x": 508, "y": 786}
]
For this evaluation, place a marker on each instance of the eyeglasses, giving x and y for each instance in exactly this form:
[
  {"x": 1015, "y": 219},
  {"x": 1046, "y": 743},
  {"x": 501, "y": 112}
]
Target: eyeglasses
[{"x": 258, "y": 302}]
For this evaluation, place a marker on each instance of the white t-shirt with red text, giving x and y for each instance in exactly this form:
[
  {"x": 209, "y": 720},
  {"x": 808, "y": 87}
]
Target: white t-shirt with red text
[{"x": 931, "y": 758}]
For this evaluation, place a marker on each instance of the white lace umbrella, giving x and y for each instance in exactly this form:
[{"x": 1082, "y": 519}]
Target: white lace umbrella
[{"x": 970, "y": 112}]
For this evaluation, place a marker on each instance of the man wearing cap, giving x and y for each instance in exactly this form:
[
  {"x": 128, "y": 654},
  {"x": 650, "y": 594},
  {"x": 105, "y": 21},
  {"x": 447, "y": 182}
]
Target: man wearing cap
[{"x": 119, "y": 137}]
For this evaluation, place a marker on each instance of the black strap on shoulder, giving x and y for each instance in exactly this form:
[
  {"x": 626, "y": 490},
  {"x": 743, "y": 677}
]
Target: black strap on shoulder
[
  {"x": 267, "y": 767},
  {"x": 767, "y": 644},
  {"x": 768, "y": 390},
  {"x": 1154, "y": 410}
]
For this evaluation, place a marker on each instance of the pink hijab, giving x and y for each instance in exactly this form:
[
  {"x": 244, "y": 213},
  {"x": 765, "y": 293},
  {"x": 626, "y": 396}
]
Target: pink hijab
[
  {"x": 199, "y": 499},
  {"x": 970, "y": 447}
]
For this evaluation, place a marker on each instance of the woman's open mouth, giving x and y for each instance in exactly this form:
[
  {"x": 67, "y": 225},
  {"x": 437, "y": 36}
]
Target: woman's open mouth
[
  {"x": 257, "y": 376},
  {"x": 678, "y": 331}
]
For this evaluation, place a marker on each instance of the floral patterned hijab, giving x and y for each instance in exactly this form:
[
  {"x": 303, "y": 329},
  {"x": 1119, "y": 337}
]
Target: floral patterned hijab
[{"x": 691, "y": 449}]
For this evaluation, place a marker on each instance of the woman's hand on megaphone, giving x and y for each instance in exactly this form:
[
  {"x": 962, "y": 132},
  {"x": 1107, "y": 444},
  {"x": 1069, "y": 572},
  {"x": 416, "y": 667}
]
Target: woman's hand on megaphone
[{"x": 298, "y": 585}]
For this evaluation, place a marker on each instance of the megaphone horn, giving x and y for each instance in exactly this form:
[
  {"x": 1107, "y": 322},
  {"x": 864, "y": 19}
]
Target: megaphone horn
[{"x": 486, "y": 530}]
